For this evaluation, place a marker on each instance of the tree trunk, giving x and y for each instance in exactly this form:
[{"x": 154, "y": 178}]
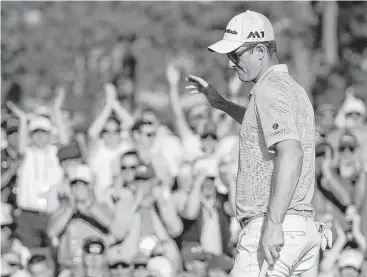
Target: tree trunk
[{"x": 330, "y": 32}]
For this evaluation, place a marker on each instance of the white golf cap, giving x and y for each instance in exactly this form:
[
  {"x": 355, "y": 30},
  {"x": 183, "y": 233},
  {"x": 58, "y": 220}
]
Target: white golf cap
[
  {"x": 352, "y": 258},
  {"x": 80, "y": 173},
  {"x": 245, "y": 27},
  {"x": 40, "y": 123}
]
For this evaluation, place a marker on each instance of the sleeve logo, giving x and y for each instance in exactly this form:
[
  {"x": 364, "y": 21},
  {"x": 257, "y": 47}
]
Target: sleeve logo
[
  {"x": 256, "y": 35},
  {"x": 275, "y": 126}
]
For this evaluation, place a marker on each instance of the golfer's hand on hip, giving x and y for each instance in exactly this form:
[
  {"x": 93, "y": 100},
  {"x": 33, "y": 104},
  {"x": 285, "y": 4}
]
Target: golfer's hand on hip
[
  {"x": 272, "y": 241},
  {"x": 199, "y": 85}
]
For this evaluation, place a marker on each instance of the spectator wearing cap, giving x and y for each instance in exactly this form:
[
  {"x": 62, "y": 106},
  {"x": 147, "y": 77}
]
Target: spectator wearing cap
[
  {"x": 106, "y": 143},
  {"x": 160, "y": 149},
  {"x": 219, "y": 266},
  {"x": 39, "y": 172},
  {"x": 13, "y": 260},
  {"x": 5, "y": 269},
  {"x": 352, "y": 113},
  {"x": 9, "y": 243},
  {"x": 206, "y": 221},
  {"x": 195, "y": 259},
  {"x": 94, "y": 258},
  {"x": 119, "y": 262},
  {"x": 350, "y": 263},
  {"x": 40, "y": 266},
  {"x": 69, "y": 157},
  {"x": 77, "y": 219}
]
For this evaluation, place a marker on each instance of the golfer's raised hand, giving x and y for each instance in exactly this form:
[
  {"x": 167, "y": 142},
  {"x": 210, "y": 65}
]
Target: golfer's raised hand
[{"x": 199, "y": 85}]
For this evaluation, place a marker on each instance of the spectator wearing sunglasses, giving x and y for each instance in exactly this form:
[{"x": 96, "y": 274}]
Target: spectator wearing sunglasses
[{"x": 128, "y": 163}]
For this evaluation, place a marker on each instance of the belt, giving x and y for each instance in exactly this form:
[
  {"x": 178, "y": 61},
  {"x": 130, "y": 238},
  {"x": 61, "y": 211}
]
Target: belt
[{"x": 305, "y": 214}]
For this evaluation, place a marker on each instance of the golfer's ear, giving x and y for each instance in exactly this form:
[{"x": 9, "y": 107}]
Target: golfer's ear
[{"x": 260, "y": 51}]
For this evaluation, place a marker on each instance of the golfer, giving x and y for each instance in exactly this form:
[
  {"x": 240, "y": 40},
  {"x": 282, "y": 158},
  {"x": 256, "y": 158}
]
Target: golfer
[{"x": 275, "y": 182}]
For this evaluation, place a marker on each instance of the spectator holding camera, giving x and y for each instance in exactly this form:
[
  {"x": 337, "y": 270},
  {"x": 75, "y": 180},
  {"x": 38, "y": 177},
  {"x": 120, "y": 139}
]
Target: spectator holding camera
[{"x": 80, "y": 217}]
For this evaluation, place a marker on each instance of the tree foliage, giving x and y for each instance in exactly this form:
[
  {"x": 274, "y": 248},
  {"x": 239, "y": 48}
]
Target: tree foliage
[{"x": 43, "y": 42}]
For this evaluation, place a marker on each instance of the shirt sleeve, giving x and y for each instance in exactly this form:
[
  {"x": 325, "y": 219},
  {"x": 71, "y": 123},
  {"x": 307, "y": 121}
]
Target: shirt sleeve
[{"x": 275, "y": 110}]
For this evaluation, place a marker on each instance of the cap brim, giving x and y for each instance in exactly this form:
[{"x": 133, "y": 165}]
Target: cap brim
[{"x": 225, "y": 46}]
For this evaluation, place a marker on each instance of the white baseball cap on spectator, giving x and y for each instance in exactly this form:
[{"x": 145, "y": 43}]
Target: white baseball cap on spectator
[
  {"x": 5, "y": 268},
  {"x": 6, "y": 216},
  {"x": 161, "y": 266},
  {"x": 80, "y": 173},
  {"x": 40, "y": 123},
  {"x": 351, "y": 258},
  {"x": 245, "y": 27},
  {"x": 355, "y": 106}
]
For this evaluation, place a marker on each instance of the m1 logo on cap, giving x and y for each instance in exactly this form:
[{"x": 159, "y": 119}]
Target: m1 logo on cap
[
  {"x": 256, "y": 35},
  {"x": 229, "y": 31}
]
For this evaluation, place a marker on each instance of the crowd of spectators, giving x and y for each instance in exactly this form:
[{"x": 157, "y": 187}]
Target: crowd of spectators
[{"x": 133, "y": 198}]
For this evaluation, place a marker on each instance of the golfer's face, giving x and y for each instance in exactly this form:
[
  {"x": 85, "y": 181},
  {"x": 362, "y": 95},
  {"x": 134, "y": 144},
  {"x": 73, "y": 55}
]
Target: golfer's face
[{"x": 247, "y": 65}]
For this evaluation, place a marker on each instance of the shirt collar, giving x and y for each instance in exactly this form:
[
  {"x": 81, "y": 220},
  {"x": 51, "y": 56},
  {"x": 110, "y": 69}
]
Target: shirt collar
[{"x": 274, "y": 68}]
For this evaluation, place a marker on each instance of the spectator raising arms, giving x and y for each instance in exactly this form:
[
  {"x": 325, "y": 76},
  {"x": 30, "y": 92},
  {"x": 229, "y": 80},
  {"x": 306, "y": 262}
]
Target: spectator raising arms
[
  {"x": 40, "y": 171},
  {"x": 106, "y": 143}
]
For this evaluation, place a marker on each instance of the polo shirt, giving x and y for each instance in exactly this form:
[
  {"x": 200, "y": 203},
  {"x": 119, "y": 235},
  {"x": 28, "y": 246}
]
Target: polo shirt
[{"x": 279, "y": 109}]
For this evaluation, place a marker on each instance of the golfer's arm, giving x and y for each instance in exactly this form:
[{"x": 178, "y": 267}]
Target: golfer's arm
[
  {"x": 233, "y": 110},
  {"x": 287, "y": 171}
]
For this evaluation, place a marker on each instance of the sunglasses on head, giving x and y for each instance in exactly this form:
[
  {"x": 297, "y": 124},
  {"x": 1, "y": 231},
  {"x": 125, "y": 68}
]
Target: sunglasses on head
[
  {"x": 235, "y": 56},
  {"x": 139, "y": 265},
  {"x": 119, "y": 265},
  {"x": 204, "y": 136},
  {"x": 343, "y": 148}
]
